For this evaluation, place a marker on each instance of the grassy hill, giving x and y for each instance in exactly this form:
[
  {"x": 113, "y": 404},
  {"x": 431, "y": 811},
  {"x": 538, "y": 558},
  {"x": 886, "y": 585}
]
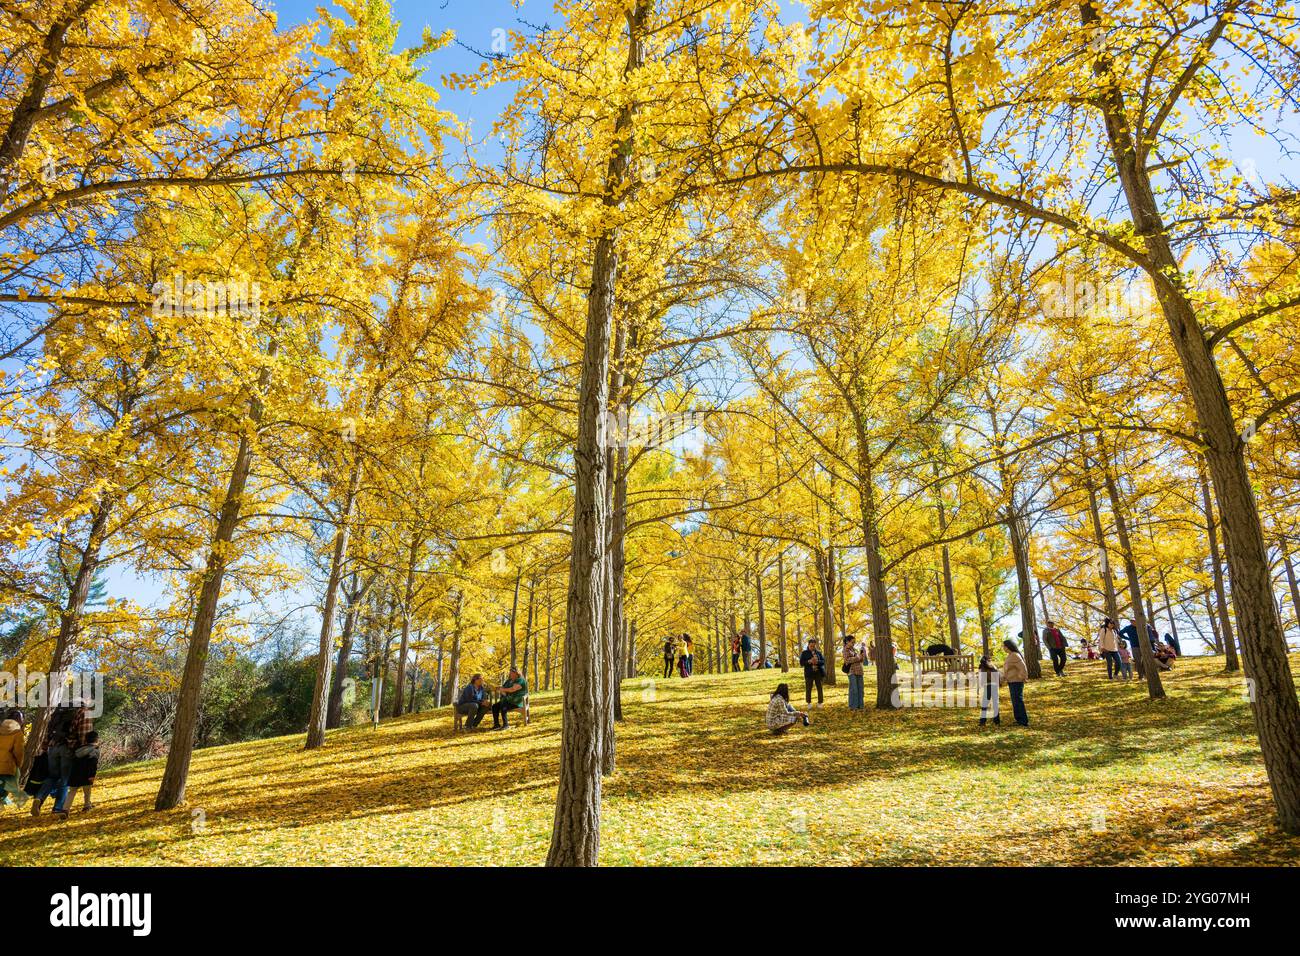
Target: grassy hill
[{"x": 1104, "y": 776}]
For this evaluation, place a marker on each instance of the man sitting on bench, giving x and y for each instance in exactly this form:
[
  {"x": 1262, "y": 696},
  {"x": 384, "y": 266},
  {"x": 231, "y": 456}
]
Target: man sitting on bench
[
  {"x": 472, "y": 702},
  {"x": 512, "y": 698}
]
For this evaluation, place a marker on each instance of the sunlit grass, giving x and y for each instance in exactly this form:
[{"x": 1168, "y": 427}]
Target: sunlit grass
[{"x": 1103, "y": 776}]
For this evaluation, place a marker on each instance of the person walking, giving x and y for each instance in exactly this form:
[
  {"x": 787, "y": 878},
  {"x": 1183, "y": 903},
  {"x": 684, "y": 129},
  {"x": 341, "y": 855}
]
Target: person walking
[
  {"x": 12, "y": 751},
  {"x": 1125, "y": 661},
  {"x": 988, "y": 680},
  {"x": 1056, "y": 645},
  {"x": 852, "y": 656},
  {"x": 85, "y": 767},
  {"x": 814, "y": 671},
  {"x": 1108, "y": 639},
  {"x": 68, "y": 727},
  {"x": 670, "y": 656},
  {"x": 1014, "y": 675}
]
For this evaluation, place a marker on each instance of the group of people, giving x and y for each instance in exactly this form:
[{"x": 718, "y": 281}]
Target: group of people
[
  {"x": 855, "y": 657},
  {"x": 476, "y": 700},
  {"x": 679, "y": 652},
  {"x": 1119, "y": 647},
  {"x": 66, "y": 762}
]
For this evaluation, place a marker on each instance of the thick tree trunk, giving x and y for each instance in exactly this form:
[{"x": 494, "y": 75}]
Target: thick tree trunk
[
  {"x": 575, "y": 835},
  {"x": 1263, "y": 646}
]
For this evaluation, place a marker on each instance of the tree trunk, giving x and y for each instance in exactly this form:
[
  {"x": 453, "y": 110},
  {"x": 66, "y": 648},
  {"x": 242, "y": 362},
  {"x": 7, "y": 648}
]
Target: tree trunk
[
  {"x": 408, "y": 596},
  {"x": 575, "y": 835},
  {"x": 70, "y": 618},
  {"x": 514, "y": 614},
  {"x": 829, "y": 642},
  {"x": 1107, "y": 576},
  {"x": 1223, "y": 626},
  {"x": 950, "y": 599},
  {"x": 783, "y": 654},
  {"x": 762, "y": 616},
  {"x": 171, "y": 791},
  {"x": 1028, "y": 626},
  {"x": 1154, "y": 686},
  {"x": 319, "y": 717},
  {"x": 334, "y": 709},
  {"x": 1263, "y": 646}
]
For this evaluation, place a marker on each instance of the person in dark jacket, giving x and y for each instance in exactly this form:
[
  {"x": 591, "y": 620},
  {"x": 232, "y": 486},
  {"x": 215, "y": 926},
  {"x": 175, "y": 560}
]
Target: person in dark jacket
[
  {"x": 746, "y": 649},
  {"x": 670, "y": 655},
  {"x": 66, "y": 730},
  {"x": 85, "y": 765},
  {"x": 814, "y": 670},
  {"x": 1056, "y": 644},
  {"x": 472, "y": 702}
]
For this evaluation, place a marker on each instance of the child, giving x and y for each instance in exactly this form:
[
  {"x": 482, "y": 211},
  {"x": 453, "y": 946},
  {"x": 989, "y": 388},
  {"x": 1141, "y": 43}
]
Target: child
[
  {"x": 780, "y": 715},
  {"x": 988, "y": 683},
  {"x": 1125, "y": 660},
  {"x": 85, "y": 764}
]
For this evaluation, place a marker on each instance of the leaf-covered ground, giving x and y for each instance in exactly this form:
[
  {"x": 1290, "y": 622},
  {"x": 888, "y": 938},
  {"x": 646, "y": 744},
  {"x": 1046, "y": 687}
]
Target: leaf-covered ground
[{"x": 1103, "y": 776}]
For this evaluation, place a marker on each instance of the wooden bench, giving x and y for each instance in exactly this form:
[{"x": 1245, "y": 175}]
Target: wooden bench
[
  {"x": 458, "y": 719},
  {"x": 948, "y": 664}
]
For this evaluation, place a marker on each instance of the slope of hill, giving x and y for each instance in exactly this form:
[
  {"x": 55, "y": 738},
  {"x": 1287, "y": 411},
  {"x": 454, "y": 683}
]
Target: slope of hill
[{"x": 1103, "y": 776}]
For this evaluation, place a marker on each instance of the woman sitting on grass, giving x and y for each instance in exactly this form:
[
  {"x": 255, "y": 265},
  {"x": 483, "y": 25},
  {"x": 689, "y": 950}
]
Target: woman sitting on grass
[{"x": 780, "y": 715}]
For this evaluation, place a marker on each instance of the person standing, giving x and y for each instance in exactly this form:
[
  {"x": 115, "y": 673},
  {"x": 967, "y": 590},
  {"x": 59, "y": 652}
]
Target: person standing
[
  {"x": 852, "y": 655},
  {"x": 689, "y": 654},
  {"x": 670, "y": 656},
  {"x": 735, "y": 652},
  {"x": 746, "y": 647},
  {"x": 1108, "y": 639},
  {"x": 11, "y": 760},
  {"x": 814, "y": 671},
  {"x": 1056, "y": 645},
  {"x": 988, "y": 681},
  {"x": 1014, "y": 675}
]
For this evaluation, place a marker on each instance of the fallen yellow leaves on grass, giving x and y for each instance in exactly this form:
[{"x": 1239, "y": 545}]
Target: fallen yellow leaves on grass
[{"x": 1103, "y": 776}]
